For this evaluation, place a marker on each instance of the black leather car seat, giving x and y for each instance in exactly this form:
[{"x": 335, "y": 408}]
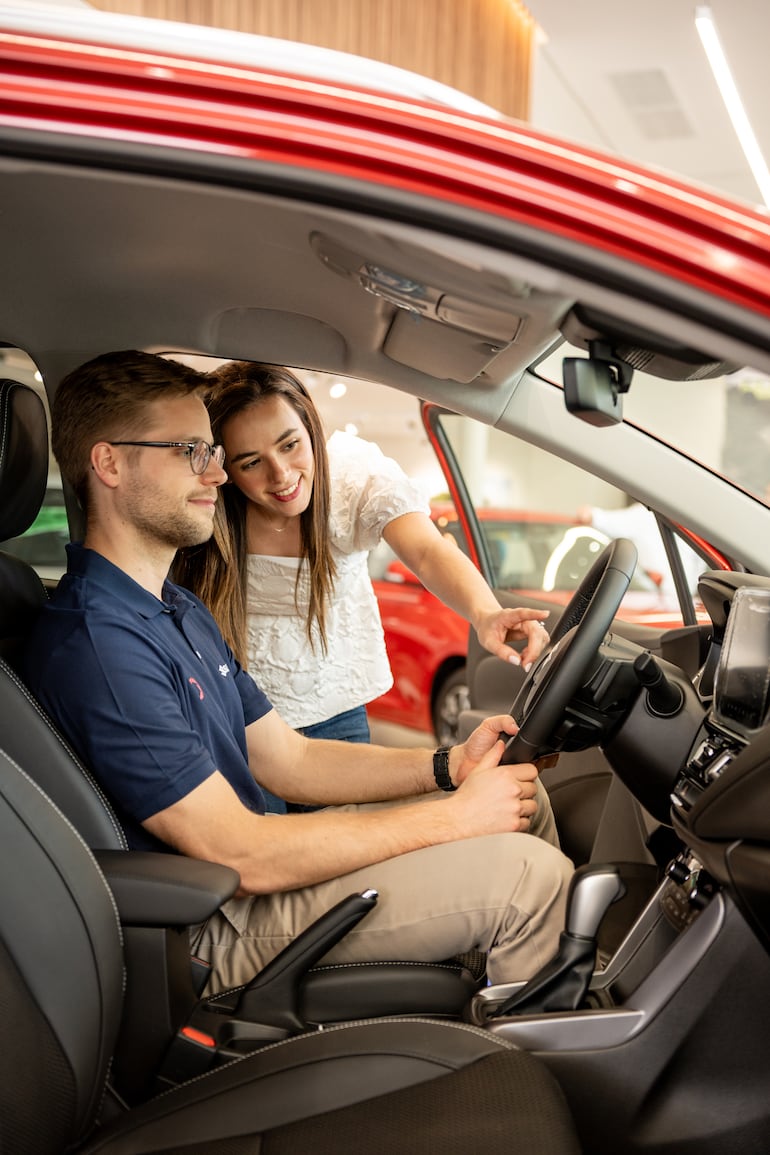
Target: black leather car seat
[
  {"x": 24, "y": 473},
  {"x": 328, "y": 994},
  {"x": 406, "y": 1085}
]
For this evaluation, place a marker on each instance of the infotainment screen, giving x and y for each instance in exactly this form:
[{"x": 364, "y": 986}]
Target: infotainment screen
[{"x": 742, "y": 684}]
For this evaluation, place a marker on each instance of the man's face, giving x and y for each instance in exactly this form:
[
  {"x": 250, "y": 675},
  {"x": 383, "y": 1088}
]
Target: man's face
[{"x": 159, "y": 494}]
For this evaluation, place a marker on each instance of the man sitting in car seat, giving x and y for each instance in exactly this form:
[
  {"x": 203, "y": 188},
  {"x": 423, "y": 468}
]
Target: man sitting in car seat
[{"x": 142, "y": 685}]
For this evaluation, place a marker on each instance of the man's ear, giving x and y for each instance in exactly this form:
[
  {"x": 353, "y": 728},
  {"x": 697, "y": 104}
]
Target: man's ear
[{"x": 104, "y": 464}]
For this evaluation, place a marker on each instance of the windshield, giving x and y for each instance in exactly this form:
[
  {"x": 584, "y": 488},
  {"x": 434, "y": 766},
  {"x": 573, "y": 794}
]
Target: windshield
[
  {"x": 538, "y": 555},
  {"x": 725, "y": 427}
]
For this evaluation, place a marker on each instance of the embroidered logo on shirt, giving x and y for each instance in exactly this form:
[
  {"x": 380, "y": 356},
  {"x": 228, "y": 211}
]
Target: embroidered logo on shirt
[
  {"x": 193, "y": 682},
  {"x": 224, "y": 670}
]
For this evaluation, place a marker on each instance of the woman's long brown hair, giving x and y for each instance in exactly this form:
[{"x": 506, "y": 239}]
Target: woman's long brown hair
[{"x": 216, "y": 571}]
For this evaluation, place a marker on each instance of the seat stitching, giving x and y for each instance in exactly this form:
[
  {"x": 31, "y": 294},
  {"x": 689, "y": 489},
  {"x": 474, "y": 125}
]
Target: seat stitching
[{"x": 68, "y": 750}]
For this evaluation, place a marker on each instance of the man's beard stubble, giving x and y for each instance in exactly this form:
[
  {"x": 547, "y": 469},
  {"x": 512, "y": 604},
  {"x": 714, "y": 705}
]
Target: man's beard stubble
[{"x": 151, "y": 515}]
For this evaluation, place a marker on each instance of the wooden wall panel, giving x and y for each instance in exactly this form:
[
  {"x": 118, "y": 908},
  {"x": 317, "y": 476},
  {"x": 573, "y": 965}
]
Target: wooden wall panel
[{"x": 482, "y": 47}]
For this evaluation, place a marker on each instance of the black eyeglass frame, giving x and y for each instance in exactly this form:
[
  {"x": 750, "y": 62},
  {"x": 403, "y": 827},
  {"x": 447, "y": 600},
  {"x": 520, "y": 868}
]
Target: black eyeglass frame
[{"x": 215, "y": 451}]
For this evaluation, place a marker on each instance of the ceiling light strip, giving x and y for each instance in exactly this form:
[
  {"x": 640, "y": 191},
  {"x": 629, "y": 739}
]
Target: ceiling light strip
[{"x": 704, "y": 22}]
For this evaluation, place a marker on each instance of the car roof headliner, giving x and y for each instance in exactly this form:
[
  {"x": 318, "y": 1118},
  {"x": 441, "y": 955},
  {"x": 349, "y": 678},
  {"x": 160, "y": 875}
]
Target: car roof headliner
[
  {"x": 159, "y": 200},
  {"x": 164, "y": 264},
  {"x": 104, "y": 259}
]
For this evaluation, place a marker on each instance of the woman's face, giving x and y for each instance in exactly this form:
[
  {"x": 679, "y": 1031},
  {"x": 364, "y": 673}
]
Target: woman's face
[{"x": 269, "y": 457}]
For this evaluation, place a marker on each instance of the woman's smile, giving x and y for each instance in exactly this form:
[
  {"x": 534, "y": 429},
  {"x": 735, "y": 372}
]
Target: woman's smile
[{"x": 289, "y": 493}]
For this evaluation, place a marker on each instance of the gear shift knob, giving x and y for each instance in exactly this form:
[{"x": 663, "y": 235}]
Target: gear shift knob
[
  {"x": 562, "y": 983},
  {"x": 592, "y": 891}
]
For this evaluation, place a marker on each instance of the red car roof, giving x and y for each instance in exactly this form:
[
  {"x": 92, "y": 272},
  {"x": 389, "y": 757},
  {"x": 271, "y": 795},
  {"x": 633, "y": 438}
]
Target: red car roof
[{"x": 495, "y": 166}]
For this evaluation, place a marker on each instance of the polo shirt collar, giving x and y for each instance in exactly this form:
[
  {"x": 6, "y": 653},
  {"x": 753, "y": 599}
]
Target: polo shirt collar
[{"x": 95, "y": 568}]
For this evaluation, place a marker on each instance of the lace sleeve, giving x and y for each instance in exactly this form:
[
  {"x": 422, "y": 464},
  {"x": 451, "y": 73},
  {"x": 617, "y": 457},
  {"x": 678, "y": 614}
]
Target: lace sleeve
[{"x": 368, "y": 491}]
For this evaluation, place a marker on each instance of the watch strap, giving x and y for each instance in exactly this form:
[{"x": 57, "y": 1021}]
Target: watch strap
[{"x": 441, "y": 769}]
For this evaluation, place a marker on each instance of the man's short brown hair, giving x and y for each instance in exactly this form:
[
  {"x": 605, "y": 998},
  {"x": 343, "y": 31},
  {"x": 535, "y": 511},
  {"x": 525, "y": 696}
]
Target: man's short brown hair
[{"x": 107, "y": 399}]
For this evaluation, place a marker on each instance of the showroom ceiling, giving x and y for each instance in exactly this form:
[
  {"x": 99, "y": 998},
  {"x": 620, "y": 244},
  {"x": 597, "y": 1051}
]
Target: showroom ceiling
[
  {"x": 634, "y": 78},
  {"x": 612, "y": 73}
]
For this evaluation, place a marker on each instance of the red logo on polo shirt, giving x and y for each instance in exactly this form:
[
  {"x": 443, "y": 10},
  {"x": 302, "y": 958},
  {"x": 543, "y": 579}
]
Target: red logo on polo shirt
[{"x": 192, "y": 682}]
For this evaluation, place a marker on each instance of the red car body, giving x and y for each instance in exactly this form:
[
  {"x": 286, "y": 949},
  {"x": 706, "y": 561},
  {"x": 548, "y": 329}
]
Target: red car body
[{"x": 426, "y": 643}]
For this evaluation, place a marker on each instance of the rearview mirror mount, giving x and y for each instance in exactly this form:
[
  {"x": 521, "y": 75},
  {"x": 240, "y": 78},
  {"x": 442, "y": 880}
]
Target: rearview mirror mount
[{"x": 593, "y": 385}]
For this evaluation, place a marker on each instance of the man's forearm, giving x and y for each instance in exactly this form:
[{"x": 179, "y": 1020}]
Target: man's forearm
[
  {"x": 342, "y": 772},
  {"x": 301, "y": 849},
  {"x": 341, "y": 842},
  {"x": 283, "y": 852}
]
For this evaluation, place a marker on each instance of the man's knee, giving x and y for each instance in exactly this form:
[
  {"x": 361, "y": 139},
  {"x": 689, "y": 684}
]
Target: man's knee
[
  {"x": 544, "y": 822},
  {"x": 538, "y": 872},
  {"x": 500, "y": 865}
]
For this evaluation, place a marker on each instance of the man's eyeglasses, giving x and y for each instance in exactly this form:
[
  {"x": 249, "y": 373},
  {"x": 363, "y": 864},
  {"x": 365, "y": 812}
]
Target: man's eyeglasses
[{"x": 199, "y": 453}]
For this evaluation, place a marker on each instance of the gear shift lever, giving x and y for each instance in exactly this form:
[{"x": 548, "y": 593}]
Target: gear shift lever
[
  {"x": 562, "y": 983},
  {"x": 592, "y": 891}
]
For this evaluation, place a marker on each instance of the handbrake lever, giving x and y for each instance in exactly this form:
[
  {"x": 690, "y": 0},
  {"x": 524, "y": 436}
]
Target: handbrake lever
[{"x": 272, "y": 996}]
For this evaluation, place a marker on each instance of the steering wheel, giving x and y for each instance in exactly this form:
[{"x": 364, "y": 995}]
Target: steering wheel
[{"x": 561, "y": 669}]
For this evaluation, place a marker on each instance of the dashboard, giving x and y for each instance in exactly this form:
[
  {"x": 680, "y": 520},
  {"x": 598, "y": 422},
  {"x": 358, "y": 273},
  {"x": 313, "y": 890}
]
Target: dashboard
[
  {"x": 721, "y": 797},
  {"x": 741, "y": 703}
]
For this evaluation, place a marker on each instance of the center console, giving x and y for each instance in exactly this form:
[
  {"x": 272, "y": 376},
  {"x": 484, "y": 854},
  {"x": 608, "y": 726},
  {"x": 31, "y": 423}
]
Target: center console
[
  {"x": 673, "y": 978},
  {"x": 741, "y": 703}
]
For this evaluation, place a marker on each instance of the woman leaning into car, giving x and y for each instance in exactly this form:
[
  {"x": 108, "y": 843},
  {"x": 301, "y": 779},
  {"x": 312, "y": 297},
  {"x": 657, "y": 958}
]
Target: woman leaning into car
[{"x": 285, "y": 573}]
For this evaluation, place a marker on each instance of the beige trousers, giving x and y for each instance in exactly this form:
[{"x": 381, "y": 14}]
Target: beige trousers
[{"x": 502, "y": 893}]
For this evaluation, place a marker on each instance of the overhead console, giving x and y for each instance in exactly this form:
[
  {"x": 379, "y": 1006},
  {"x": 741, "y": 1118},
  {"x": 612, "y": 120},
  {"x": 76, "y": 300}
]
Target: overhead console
[{"x": 446, "y": 321}]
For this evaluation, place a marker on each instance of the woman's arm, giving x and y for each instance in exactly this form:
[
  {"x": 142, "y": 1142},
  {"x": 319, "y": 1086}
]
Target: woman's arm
[{"x": 451, "y": 576}]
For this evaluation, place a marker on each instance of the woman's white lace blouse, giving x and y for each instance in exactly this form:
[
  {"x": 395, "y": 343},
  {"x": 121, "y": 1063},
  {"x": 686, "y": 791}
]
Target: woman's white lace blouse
[{"x": 306, "y": 685}]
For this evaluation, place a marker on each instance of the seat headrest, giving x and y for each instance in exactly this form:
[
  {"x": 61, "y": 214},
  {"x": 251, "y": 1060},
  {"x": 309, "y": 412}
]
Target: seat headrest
[{"x": 23, "y": 457}]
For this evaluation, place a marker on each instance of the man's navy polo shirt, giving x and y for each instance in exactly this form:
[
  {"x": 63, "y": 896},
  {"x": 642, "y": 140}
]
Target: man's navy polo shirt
[{"x": 147, "y": 692}]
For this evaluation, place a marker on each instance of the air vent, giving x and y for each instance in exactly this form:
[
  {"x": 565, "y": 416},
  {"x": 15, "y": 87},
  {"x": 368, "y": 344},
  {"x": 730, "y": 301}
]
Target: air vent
[{"x": 650, "y": 100}]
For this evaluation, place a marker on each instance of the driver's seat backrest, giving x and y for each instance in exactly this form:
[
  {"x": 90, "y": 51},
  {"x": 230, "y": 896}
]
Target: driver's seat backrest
[
  {"x": 31, "y": 739},
  {"x": 61, "y": 973},
  {"x": 23, "y": 477},
  {"x": 415, "y": 1084},
  {"x": 25, "y": 732}
]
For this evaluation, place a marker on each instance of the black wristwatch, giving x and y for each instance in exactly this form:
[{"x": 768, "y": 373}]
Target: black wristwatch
[{"x": 441, "y": 769}]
